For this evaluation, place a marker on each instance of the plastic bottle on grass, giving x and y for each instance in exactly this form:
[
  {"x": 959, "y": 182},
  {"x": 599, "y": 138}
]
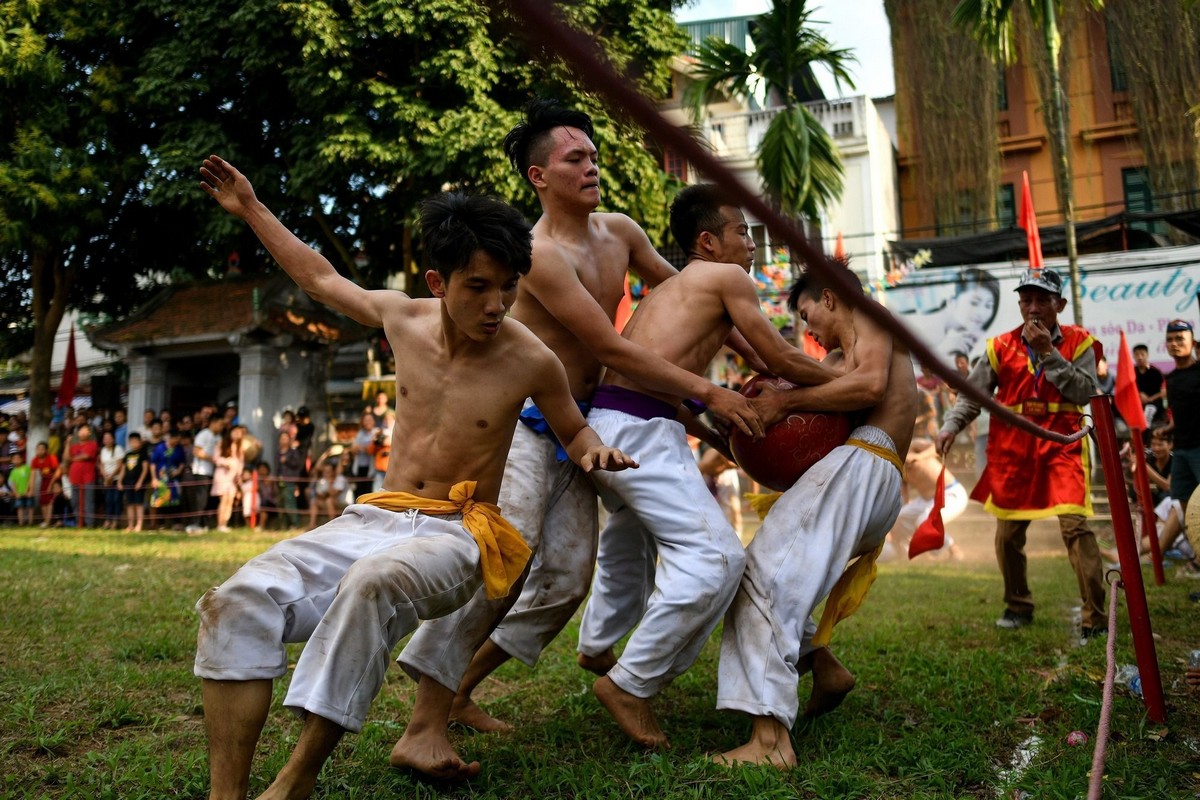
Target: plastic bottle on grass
[{"x": 1127, "y": 675}]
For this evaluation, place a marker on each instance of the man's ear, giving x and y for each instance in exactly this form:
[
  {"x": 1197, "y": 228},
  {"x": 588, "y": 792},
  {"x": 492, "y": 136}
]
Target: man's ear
[
  {"x": 1061, "y": 304},
  {"x": 828, "y": 299},
  {"x": 436, "y": 283},
  {"x": 536, "y": 175}
]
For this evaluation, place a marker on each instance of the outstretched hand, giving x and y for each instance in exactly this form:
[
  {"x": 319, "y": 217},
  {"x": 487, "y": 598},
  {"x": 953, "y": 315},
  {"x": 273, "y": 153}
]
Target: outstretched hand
[
  {"x": 226, "y": 185},
  {"x": 734, "y": 407},
  {"x": 944, "y": 440},
  {"x": 609, "y": 459}
]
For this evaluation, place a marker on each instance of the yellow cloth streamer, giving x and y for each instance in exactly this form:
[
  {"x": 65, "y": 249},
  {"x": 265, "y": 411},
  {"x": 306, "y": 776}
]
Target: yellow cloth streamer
[
  {"x": 761, "y": 503},
  {"x": 503, "y": 554},
  {"x": 851, "y": 589},
  {"x": 847, "y": 595}
]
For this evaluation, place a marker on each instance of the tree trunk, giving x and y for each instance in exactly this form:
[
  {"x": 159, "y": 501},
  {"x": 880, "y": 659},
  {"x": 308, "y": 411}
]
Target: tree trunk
[
  {"x": 51, "y": 286},
  {"x": 1066, "y": 192}
]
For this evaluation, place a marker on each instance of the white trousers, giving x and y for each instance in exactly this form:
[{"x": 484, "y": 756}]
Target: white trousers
[
  {"x": 842, "y": 507},
  {"x": 553, "y": 505},
  {"x": 915, "y": 511},
  {"x": 352, "y": 589},
  {"x": 664, "y": 509}
]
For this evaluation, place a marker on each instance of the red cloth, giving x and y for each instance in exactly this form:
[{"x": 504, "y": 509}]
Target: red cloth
[
  {"x": 624, "y": 308},
  {"x": 931, "y": 534},
  {"x": 1028, "y": 221},
  {"x": 45, "y": 466},
  {"x": 82, "y": 469},
  {"x": 1126, "y": 397},
  {"x": 1027, "y": 477},
  {"x": 70, "y": 375}
]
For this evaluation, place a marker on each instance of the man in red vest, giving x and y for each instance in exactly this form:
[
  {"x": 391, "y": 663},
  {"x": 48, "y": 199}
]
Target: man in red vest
[{"x": 1046, "y": 372}]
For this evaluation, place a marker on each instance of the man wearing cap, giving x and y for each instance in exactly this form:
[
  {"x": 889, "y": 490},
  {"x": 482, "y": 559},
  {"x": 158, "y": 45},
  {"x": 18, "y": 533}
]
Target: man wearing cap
[
  {"x": 1183, "y": 398},
  {"x": 1047, "y": 373}
]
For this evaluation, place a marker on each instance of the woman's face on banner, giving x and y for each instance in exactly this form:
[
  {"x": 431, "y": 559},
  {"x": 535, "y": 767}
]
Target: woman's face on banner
[{"x": 974, "y": 307}]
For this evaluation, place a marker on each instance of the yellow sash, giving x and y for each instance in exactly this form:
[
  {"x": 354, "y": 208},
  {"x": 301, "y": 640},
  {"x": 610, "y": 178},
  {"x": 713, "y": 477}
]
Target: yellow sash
[{"x": 503, "y": 554}]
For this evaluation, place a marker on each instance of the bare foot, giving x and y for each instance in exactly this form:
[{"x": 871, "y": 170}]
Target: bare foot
[
  {"x": 770, "y": 744},
  {"x": 600, "y": 664},
  {"x": 831, "y": 683},
  {"x": 466, "y": 713},
  {"x": 633, "y": 714},
  {"x": 431, "y": 755}
]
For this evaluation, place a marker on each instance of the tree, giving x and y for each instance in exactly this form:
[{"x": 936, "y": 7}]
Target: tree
[
  {"x": 345, "y": 116},
  {"x": 992, "y": 24},
  {"x": 797, "y": 158}
]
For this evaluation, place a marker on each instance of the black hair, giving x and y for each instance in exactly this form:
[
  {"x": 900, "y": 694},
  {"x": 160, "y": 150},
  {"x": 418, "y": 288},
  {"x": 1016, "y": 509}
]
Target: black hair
[
  {"x": 974, "y": 278},
  {"x": 454, "y": 225},
  {"x": 526, "y": 143},
  {"x": 1137, "y": 347},
  {"x": 697, "y": 209},
  {"x": 812, "y": 283}
]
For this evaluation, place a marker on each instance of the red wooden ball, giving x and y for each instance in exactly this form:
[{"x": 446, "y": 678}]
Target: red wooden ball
[{"x": 790, "y": 446}]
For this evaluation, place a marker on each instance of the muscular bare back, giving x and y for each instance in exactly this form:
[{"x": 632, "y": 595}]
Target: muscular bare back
[
  {"x": 894, "y": 414},
  {"x": 684, "y": 320}
]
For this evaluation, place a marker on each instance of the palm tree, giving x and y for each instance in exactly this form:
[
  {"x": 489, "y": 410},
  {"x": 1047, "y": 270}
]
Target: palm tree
[
  {"x": 797, "y": 159},
  {"x": 991, "y": 23}
]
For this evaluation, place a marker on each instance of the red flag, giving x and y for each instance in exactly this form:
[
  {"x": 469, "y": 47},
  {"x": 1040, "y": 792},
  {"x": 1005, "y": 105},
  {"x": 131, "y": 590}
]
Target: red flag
[
  {"x": 839, "y": 249},
  {"x": 931, "y": 534},
  {"x": 624, "y": 308},
  {"x": 1126, "y": 397},
  {"x": 1028, "y": 221},
  {"x": 70, "y": 375}
]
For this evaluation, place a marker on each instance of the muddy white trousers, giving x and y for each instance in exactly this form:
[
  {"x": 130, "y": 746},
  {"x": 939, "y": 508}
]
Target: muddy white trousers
[
  {"x": 553, "y": 506},
  {"x": 351, "y": 589},
  {"x": 663, "y": 508},
  {"x": 842, "y": 507}
]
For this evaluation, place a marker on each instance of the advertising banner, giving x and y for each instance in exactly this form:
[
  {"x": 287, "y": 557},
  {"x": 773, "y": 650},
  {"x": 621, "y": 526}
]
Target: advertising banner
[{"x": 955, "y": 310}]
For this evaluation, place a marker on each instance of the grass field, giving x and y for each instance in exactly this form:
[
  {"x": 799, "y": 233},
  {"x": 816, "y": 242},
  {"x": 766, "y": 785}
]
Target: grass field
[{"x": 97, "y": 699}]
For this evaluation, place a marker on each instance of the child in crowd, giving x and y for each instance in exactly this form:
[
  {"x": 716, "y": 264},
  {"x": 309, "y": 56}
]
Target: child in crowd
[
  {"x": 133, "y": 479},
  {"x": 46, "y": 467},
  {"x": 20, "y": 480},
  {"x": 62, "y": 513}
]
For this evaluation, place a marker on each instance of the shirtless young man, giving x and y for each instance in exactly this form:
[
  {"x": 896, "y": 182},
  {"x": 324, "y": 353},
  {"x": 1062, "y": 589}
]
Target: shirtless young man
[
  {"x": 921, "y": 469},
  {"x": 569, "y": 301},
  {"x": 841, "y": 508},
  {"x": 423, "y": 546},
  {"x": 669, "y": 512}
]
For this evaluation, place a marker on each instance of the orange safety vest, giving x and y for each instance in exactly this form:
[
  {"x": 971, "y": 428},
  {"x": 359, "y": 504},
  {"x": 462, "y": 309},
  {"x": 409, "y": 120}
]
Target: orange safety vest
[{"x": 1028, "y": 477}]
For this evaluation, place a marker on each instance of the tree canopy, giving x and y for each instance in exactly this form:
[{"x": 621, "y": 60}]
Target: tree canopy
[
  {"x": 799, "y": 163},
  {"x": 345, "y": 115}
]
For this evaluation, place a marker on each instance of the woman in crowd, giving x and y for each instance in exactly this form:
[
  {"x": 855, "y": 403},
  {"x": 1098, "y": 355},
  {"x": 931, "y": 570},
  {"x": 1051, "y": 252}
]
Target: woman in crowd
[{"x": 227, "y": 473}]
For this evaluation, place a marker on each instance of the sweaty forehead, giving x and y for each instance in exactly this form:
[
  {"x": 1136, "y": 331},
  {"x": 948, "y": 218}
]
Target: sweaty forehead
[{"x": 563, "y": 141}]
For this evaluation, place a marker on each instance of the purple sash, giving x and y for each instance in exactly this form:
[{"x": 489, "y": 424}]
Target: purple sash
[{"x": 636, "y": 404}]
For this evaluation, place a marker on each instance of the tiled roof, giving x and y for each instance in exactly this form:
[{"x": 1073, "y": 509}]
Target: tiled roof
[{"x": 191, "y": 311}]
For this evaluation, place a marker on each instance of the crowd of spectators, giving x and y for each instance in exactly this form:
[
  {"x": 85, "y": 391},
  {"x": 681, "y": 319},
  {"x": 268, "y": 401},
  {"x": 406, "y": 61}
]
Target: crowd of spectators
[{"x": 186, "y": 470}]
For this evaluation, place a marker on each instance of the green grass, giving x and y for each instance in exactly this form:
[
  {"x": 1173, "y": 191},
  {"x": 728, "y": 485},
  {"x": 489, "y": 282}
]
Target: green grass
[{"x": 97, "y": 699}]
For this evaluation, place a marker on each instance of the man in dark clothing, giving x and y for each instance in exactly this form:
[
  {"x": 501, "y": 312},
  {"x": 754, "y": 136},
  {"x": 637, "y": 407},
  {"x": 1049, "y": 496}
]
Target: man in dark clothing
[
  {"x": 289, "y": 469},
  {"x": 1149, "y": 380}
]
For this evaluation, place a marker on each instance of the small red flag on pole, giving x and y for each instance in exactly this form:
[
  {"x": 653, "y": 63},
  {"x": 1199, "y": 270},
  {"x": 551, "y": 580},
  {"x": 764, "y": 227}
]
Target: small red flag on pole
[
  {"x": 1129, "y": 405},
  {"x": 1028, "y": 221},
  {"x": 1125, "y": 394},
  {"x": 839, "y": 248},
  {"x": 931, "y": 534},
  {"x": 70, "y": 375}
]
